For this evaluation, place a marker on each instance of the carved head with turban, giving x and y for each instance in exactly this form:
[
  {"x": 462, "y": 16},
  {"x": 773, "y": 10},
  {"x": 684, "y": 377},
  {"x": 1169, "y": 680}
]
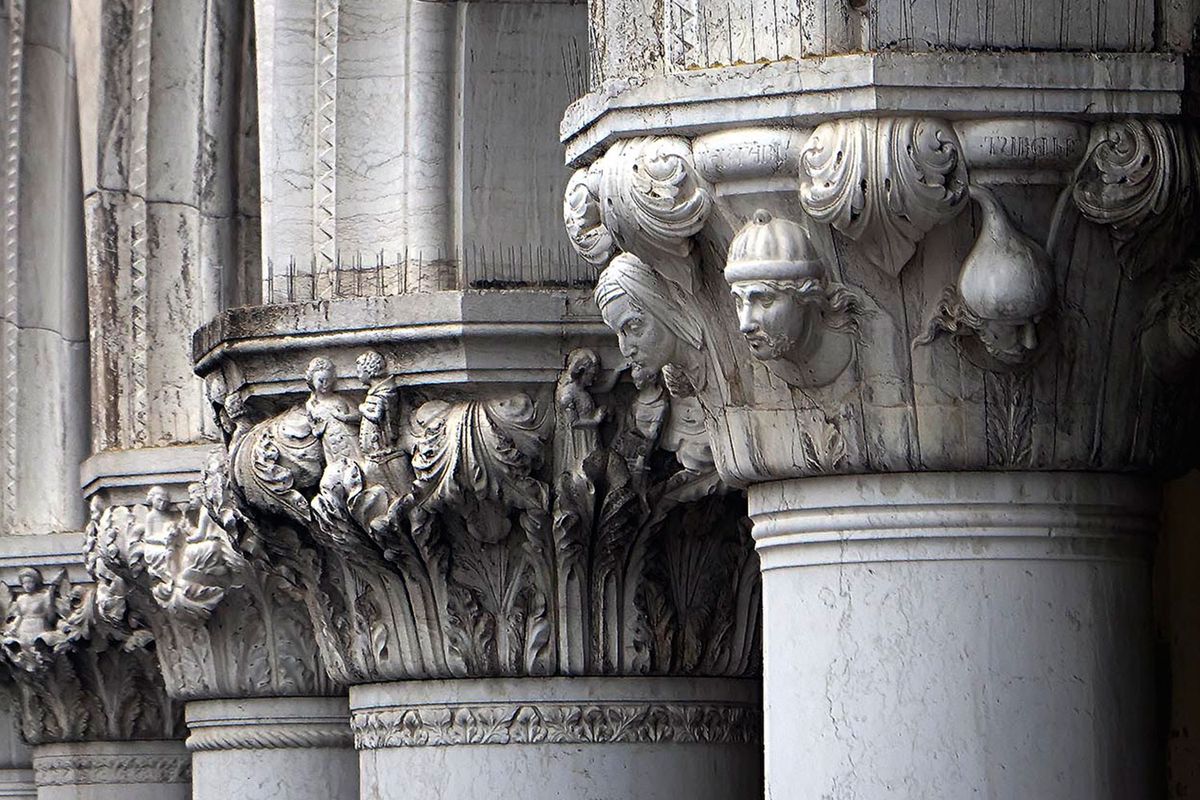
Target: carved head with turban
[{"x": 652, "y": 330}]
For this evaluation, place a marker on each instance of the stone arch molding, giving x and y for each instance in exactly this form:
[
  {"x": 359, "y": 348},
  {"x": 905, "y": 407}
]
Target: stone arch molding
[{"x": 946, "y": 260}]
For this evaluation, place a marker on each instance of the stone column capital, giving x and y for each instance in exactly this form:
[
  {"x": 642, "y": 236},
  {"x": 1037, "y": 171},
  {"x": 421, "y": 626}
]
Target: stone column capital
[
  {"x": 537, "y": 521},
  {"x": 228, "y": 622},
  {"x": 908, "y": 292},
  {"x": 80, "y": 676}
]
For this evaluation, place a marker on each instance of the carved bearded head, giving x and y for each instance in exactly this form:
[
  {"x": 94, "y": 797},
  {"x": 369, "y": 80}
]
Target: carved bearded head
[
  {"x": 778, "y": 284},
  {"x": 636, "y": 304}
]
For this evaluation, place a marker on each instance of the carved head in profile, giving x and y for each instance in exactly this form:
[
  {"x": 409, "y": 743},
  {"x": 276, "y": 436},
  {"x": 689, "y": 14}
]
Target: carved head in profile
[
  {"x": 370, "y": 366},
  {"x": 1004, "y": 292},
  {"x": 320, "y": 376},
  {"x": 652, "y": 329}
]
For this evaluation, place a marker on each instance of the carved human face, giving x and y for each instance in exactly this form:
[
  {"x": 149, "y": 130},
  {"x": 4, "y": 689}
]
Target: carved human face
[
  {"x": 28, "y": 583},
  {"x": 321, "y": 380},
  {"x": 1007, "y": 341},
  {"x": 647, "y": 343},
  {"x": 158, "y": 499},
  {"x": 772, "y": 321}
]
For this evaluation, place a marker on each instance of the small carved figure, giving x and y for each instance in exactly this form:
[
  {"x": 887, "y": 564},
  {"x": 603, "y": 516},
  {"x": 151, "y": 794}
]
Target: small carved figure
[
  {"x": 333, "y": 418},
  {"x": 1005, "y": 291},
  {"x": 788, "y": 310},
  {"x": 386, "y": 462},
  {"x": 159, "y": 518},
  {"x": 36, "y": 617},
  {"x": 237, "y": 417},
  {"x": 653, "y": 331},
  {"x": 376, "y": 433},
  {"x": 578, "y": 418}
]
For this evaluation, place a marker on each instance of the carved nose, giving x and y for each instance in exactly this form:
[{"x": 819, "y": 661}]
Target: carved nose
[
  {"x": 748, "y": 324},
  {"x": 1029, "y": 338}
]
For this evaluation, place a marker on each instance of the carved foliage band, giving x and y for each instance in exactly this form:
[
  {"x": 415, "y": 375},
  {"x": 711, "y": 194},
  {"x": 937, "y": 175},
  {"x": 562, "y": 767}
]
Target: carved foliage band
[
  {"x": 85, "y": 768},
  {"x": 557, "y": 723}
]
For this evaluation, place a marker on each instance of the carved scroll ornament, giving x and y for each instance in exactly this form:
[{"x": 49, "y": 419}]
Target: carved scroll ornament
[
  {"x": 884, "y": 182},
  {"x": 1140, "y": 178}
]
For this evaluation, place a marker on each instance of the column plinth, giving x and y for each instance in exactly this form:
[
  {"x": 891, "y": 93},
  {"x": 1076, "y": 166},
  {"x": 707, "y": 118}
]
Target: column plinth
[
  {"x": 603, "y": 738},
  {"x": 294, "y": 747},
  {"x": 943, "y": 634},
  {"x": 149, "y": 770}
]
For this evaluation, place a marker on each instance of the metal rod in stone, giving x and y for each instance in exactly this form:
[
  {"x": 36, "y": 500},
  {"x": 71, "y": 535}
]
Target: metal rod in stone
[
  {"x": 270, "y": 281},
  {"x": 775, "y": 27}
]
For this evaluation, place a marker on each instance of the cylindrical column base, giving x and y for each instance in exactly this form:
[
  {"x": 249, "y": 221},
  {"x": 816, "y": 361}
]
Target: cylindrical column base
[
  {"x": 297, "y": 748},
  {"x": 17, "y": 784},
  {"x": 594, "y": 738},
  {"x": 953, "y": 635},
  {"x": 154, "y": 770}
]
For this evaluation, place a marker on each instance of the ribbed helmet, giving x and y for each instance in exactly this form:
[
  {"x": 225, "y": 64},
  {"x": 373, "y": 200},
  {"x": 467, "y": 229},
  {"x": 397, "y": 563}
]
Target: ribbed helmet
[{"x": 771, "y": 249}]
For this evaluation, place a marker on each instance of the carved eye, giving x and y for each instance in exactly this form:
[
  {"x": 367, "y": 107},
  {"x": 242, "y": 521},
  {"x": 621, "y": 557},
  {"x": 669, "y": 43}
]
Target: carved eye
[
  {"x": 767, "y": 301},
  {"x": 634, "y": 326}
]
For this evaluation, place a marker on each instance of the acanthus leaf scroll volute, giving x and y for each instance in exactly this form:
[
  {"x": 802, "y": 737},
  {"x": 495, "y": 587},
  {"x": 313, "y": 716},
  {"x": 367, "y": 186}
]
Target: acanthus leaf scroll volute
[
  {"x": 531, "y": 539},
  {"x": 884, "y": 182}
]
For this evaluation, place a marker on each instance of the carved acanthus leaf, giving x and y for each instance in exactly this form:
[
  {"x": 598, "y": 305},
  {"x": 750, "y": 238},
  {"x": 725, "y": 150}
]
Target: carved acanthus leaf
[
  {"x": 582, "y": 216},
  {"x": 1140, "y": 178},
  {"x": 476, "y": 458},
  {"x": 654, "y": 201},
  {"x": 884, "y": 183}
]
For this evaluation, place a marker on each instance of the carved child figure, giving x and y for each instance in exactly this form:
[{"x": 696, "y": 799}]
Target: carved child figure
[
  {"x": 378, "y": 435},
  {"x": 333, "y": 418},
  {"x": 35, "y": 616}
]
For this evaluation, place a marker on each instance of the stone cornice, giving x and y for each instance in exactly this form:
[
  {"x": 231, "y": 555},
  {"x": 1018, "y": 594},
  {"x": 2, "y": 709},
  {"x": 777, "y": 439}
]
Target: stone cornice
[
  {"x": 47, "y": 552},
  {"x": 810, "y": 91},
  {"x": 445, "y": 337}
]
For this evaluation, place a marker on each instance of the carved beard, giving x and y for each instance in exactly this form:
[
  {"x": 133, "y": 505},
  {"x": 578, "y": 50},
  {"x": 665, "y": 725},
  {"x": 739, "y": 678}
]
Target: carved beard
[{"x": 766, "y": 347}]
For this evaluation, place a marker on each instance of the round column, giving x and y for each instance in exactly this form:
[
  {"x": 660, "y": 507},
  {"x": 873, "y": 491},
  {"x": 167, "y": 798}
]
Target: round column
[
  {"x": 594, "y": 738},
  {"x": 152, "y": 770},
  {"x": 948, "y": 635},
  {"x": 17, "y": 784},
  {"x": 297, "y": 748}
]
